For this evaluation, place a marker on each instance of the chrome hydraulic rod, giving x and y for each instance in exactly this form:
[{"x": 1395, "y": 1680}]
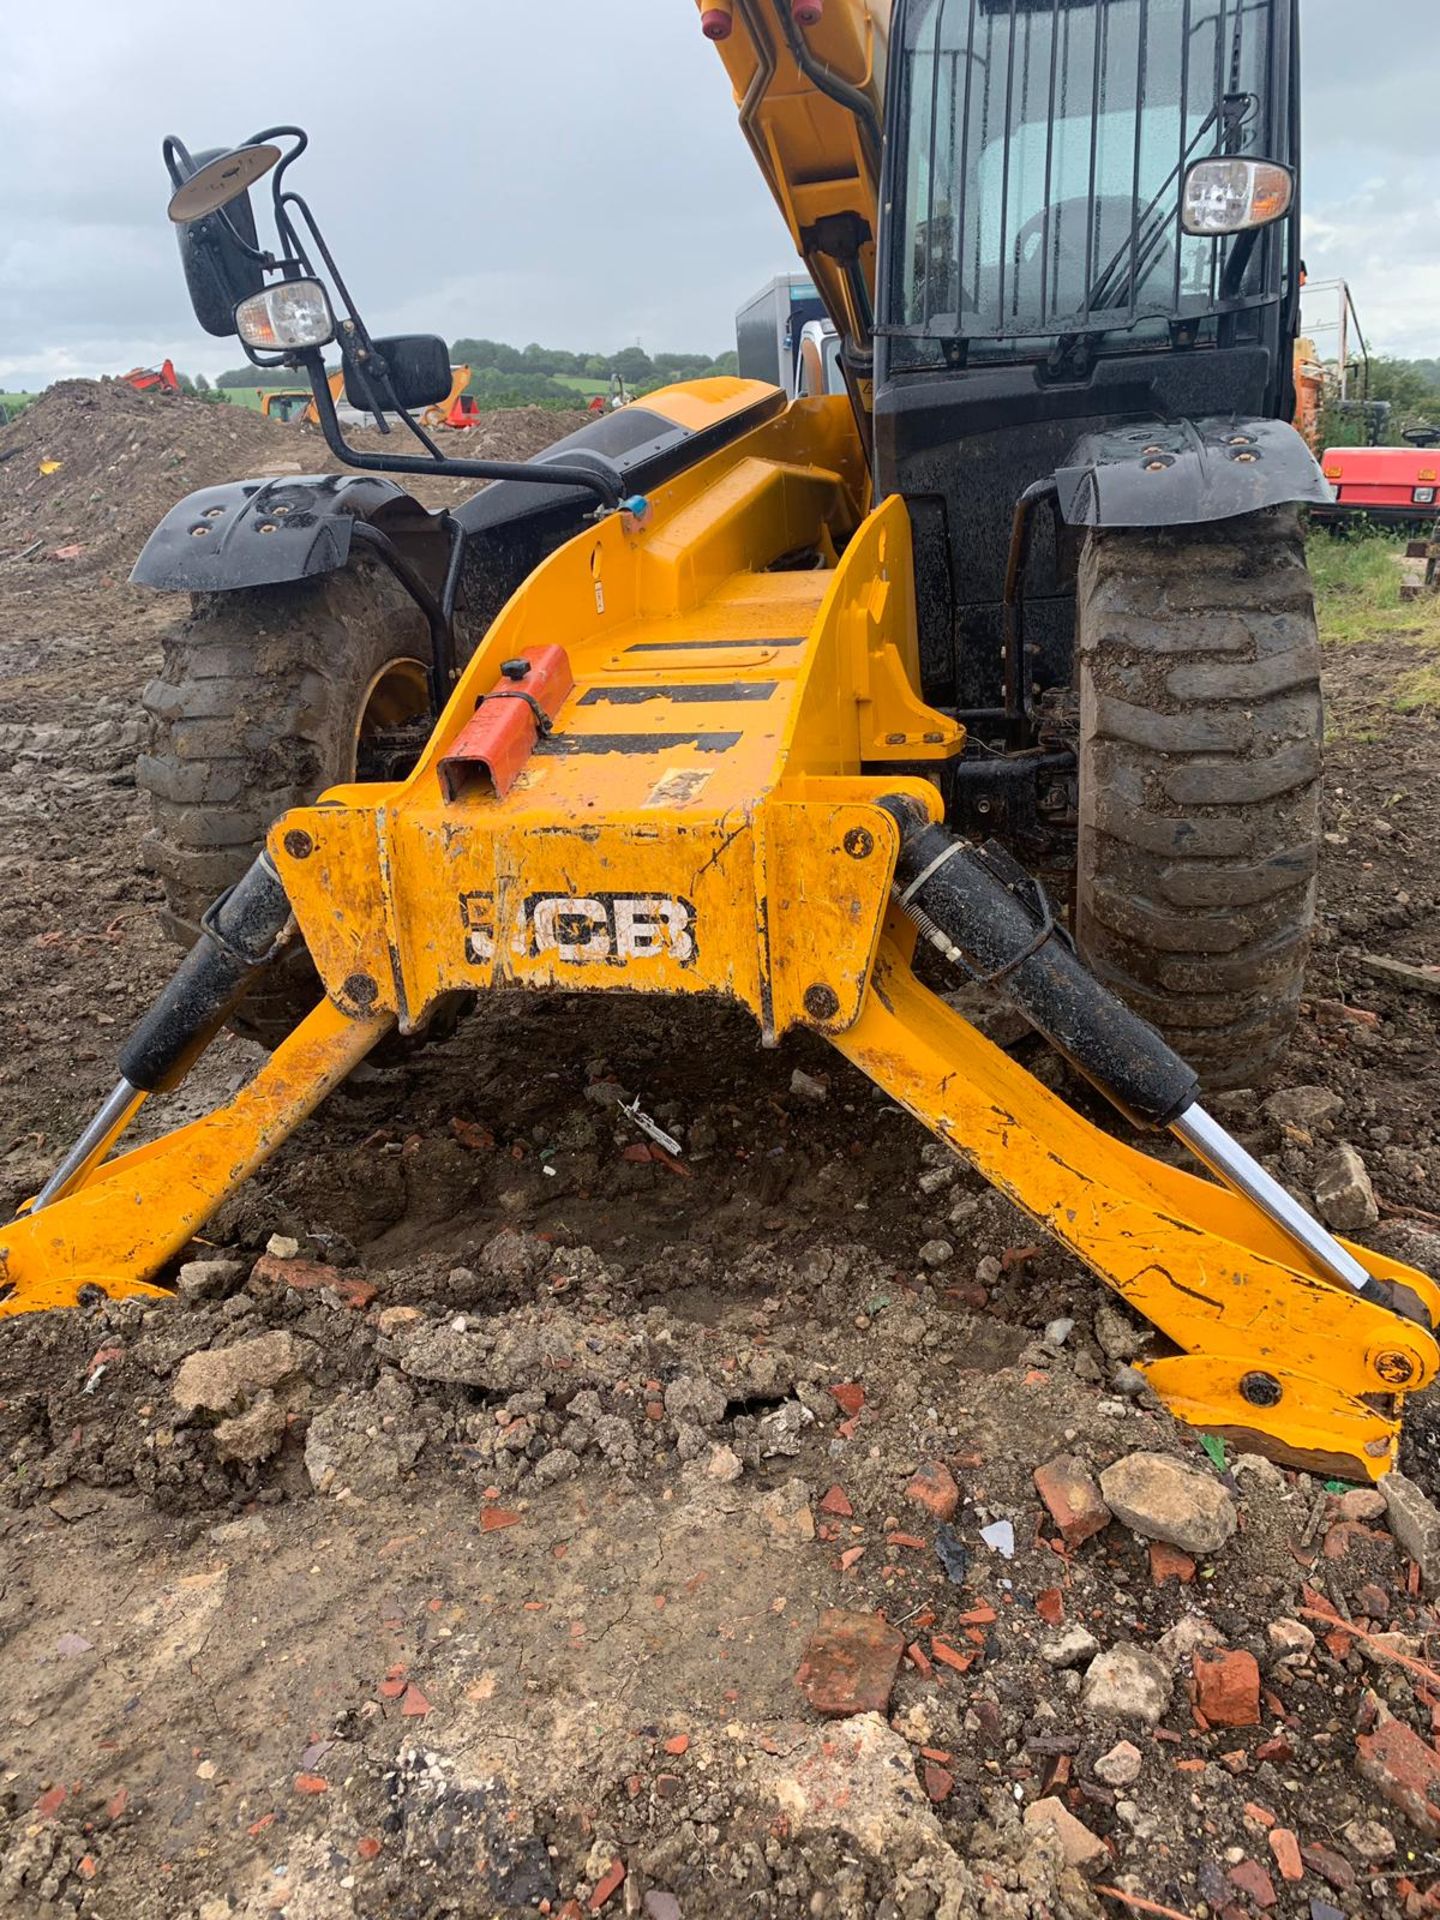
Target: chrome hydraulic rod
[
  {"x": 988, "y": 917},
  {"x": 1229, "y": 1161},
  {"x": 108, "y": 1121}
]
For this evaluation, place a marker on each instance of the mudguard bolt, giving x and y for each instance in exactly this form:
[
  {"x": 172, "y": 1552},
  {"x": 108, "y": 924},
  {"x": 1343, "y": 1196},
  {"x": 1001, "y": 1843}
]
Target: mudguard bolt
[
  {"x": 298, "y": 844},
  {"x": 859, "y": 843},
  {"x": 821, "y": 1002}
]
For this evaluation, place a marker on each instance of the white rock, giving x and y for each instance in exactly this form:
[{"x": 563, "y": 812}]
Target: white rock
[
  {"x": 1369, "y": 1840},
  {"x": 1127, "y": 1683},
  {"x": 1343, "y": 1192},
  {"x": 1081, "y": 1848},
  {"x": 1307, "y": 1107},
  {"x": 1162, "y": 1498},
  {"x": 1290, "y": 1638},
  {"x": 1120, "y": 1767},
  {"x": 1076, "y": 1647},
  {"x": 1190, "y": 1631},
  {"x": 282, "y": 1247}
]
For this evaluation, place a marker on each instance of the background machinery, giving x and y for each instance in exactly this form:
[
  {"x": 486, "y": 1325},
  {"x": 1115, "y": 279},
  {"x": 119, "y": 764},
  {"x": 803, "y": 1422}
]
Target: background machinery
[{"x": 729, "y": 695}]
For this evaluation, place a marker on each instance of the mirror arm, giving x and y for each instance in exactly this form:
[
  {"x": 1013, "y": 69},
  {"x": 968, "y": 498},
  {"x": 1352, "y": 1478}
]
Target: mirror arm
[{"x": 605, "y": 487}]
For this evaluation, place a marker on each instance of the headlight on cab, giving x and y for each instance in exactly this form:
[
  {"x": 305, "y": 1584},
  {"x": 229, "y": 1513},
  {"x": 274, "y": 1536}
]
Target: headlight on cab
[
  {"x": 1231, "y": 196},
  {"x": 294, "y": 314}
]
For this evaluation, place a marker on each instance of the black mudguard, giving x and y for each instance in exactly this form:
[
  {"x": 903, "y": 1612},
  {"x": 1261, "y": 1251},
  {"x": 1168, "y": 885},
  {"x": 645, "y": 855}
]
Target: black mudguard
[
  {"x": 260, "y": 533},
  {"x": 254, "y": 533},
  {"x": 1181, "y": 473}
]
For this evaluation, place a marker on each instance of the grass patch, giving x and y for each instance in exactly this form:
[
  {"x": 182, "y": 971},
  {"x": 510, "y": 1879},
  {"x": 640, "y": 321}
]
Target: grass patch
[
  {"x": 1418, "y": 691},
  {"x": 1357, "y": 587}
]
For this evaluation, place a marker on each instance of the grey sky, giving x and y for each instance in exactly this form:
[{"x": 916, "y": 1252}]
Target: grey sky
[{"x": 556, "y": 170}]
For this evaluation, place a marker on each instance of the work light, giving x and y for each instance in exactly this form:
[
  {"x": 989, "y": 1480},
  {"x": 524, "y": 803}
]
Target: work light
[
  {"x": 294, "y": 313},
  {"x": 1230, "y": 196}
]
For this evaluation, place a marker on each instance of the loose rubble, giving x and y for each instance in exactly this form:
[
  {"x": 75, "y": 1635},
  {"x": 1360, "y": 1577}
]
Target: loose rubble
[{"x": 499, "y": 1517}]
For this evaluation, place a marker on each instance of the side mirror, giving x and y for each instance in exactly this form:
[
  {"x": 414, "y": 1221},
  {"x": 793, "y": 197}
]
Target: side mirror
[
  {"x": 418, "y": 365},
  {"x": 218, "y": 273}
]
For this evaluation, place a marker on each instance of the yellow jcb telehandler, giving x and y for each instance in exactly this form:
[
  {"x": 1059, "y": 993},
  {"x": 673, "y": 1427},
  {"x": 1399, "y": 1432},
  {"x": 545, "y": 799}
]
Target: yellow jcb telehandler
[{"x": 730, "y": 697}]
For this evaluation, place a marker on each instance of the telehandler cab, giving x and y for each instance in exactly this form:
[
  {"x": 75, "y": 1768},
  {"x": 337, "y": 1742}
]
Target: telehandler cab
[{"x": 732, "y": 697}]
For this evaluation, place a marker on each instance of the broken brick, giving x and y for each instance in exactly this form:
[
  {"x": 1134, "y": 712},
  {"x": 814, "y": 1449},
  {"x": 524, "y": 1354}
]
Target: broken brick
[
  {"x": 1407, "y": 1772},
  {"x": 368, "y": 1848},
  {"x": 851, "y": 1557},
  {"x": 1050, "y": 1605},
  {"x": 608, "y": 1884},
  {"x": 934, "y": 1488},
  {"x": 947, "y": 1656},
  {"x": 677, "y": 1744},
  {"x": 1072, "y": 1497},
  {"x": 919, "y": 1659},
  {"x": 1254, "y": 1882},
  {"x": 493, "y": 1518},
  {"x": 270, "y": 1275},
  {"x": 49, "y": 1803},
  {"x": 1286, "y": 1848},
  {"x": 1169, "y": 1563},
  {"x": 938, "y": 1781},
  {"x": 850, "y": 1664},
  {"x": 903, "y": 1540},
  {"x": 311, "y": 1783},
  {"x": 1332, "y": 1867},
  {"x": 849, "y": 1396},
  {"x": 837, "y": 1501},
  {"x": 1226, "y": 1688},
  {"x": 414, "y": 1704}
]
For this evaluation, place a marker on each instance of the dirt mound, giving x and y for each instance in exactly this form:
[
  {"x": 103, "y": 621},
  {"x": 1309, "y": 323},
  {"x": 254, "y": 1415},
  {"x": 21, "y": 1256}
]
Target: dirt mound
[
  {"x": 517, "y": 433},
  {"x": 88, "y": 470}
]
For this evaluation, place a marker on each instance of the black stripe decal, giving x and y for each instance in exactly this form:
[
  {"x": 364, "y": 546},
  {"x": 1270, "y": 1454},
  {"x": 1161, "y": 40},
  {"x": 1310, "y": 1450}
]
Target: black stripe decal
[
  {"x": 711, "y": 646},
  {"x": 570, "y": 744},
  {"x": 716, "y": 694}
]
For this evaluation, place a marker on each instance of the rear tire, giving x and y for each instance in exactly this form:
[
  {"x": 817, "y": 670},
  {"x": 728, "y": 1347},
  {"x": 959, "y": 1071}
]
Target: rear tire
[
  {"x": 263, "y": 701},
  {"x": 1201, "y": 728}
]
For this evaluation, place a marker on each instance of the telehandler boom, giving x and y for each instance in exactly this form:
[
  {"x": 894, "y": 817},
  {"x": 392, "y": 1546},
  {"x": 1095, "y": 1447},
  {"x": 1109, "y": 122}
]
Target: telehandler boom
[{"x": 694, "y": 752}]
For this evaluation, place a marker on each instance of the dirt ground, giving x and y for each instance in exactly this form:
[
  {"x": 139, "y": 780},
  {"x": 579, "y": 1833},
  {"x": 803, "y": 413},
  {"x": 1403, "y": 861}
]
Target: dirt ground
[{"x": 457, "y": 1556}]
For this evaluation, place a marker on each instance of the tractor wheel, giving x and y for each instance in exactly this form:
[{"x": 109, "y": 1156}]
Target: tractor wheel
[
  {"x": 1201, "y": 725},
  {"x": 267, "y": 696}
]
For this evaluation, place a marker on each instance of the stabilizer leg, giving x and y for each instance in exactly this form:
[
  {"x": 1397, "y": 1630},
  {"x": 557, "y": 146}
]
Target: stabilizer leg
[
  {"x": 1306, "y": 1369},
  {"x": 118, "y": 1225}
]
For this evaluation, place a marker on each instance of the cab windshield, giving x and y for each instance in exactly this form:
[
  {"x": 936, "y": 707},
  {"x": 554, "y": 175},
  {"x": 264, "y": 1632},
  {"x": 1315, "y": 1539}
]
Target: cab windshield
[{"x": 1046, "y": 143}]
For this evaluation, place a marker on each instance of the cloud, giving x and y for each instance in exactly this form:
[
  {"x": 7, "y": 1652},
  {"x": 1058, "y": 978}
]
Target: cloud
[
  {"x": 536, "y": 172},
  {"x": 546, "y": 171}
]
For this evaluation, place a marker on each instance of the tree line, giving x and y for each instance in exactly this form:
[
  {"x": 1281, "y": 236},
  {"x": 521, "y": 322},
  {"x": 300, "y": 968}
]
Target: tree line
[{"x": 506, "y": 376}]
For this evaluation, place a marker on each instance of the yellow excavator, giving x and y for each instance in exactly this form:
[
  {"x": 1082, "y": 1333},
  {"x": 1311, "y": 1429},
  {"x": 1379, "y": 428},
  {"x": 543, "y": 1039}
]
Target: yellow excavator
[
  {"x": 298, "y": 403},
  {"x": 791, "y": 704}
]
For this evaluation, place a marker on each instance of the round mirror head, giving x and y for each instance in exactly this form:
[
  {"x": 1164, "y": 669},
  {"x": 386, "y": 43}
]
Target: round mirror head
[{"x": 220, "y": 181}]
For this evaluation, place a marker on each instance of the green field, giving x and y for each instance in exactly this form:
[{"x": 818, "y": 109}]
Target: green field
[
  {"x": 13, "y": 402},
  {"x": 581, "y": 383},
  {"x": 251, "y": 396}
]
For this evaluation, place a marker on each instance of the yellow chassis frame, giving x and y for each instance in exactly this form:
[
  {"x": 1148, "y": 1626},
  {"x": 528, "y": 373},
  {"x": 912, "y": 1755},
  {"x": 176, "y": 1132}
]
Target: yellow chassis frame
[{"x": 704, "y": 819}]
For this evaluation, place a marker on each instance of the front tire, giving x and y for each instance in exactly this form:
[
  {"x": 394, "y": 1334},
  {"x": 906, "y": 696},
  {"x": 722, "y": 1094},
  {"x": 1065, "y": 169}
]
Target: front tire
[
  {"x": 1201, "y": 728},
  {"x": 268, "y": 696}
]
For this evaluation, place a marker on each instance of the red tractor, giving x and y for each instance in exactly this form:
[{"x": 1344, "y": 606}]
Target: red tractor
[{"x": 1390, "y": 486}]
